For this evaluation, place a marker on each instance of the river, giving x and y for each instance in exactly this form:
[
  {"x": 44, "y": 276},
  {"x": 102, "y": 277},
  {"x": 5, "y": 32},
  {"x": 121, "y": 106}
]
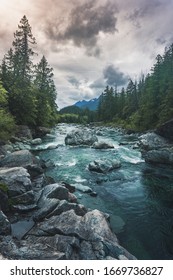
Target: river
[{"x": 138, "y": 196}]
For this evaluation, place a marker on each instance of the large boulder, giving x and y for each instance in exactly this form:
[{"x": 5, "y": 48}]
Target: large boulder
[
  {"x": 41, "y": 131},
  {"x": 91, "y": 233},
  {"x": 55, "y": 199},
  {"x": 159, "y": 156},
  {"x": 16, "y": 179},
  {"x": 166, "y": 130},
  {"x": 80, "y": 137},
  {"x": 18, "y": 158},
  {"x": 23, "y": 132},
  {"x": 151, "y": 140},
  {"x": 104, "y": 166}
]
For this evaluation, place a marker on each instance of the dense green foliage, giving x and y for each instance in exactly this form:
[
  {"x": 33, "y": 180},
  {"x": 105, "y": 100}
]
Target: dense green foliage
[
  {"x": 30, "y": 89},
  {"x": 7, "y": 125},
  {"x": 145, "y": 104},
  {"x": 74, "y": 114}
]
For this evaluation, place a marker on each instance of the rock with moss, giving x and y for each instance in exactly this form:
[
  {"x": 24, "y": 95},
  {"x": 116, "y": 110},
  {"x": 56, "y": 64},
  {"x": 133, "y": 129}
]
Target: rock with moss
[{"x": 104, "y": 165}]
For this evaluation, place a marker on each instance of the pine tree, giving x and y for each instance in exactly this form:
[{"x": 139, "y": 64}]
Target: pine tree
[
  {"x": 46, "y": 93},
  {"x": 23, "y": 52}
]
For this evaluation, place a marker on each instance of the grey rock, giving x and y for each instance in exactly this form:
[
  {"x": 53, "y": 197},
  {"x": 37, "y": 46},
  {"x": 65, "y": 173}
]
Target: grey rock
[
  {"x": 8, "y": 148},
  {"x": 64, "y": 206},
  {"x": 36, "y": 141},
  {"x": 81, "y": 137},
  {"x": 34, "y": 170},
  {"x": 24, "y": 208},
  {"x": 25, "y": 198},
  {"x": 87, "y": 247},
  {"x": 159, "y": 156},
  {"x": 4, "y": 204},
  {"x": 69, "y": 187},
  {"x": 82, "y": 188},
  {"x": 5, "y": 227},
  {"x": 33, "y": 248},
  {"x": 19, "y": 158},
  {"x": 21, "y": 146},
  {"x": 72, "y": 198},
  {"x": 23, "y": 131},
  {"x": 40, "y": 131},
  {"x": 151, "y": 140},
  {"x": 17, "y": 180},
  {"x": 166, "y": 130},
  {"x": 21, "y": 228},
  {"x": 104, "y": 166},
  {"x": 92, "y": 226},
  {"x": 55, "y": 191},
  {"x": 102, "y": 145},
  {"x": 97, "y": 240},
  {"x": 45, "y": 210}
]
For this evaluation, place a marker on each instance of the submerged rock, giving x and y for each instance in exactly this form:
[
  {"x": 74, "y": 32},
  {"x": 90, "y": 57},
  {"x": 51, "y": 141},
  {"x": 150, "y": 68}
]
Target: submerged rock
[
  {"x": 104, "y": 166},
  {"x": 102, "y": 145},
  {"x": 83, "y": 188},
  {"x": 81, "y": 137}
]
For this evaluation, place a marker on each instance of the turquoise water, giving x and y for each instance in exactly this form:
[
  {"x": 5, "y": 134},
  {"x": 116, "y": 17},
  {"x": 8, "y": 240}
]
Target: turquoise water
[{"x": 138, "y": 197}]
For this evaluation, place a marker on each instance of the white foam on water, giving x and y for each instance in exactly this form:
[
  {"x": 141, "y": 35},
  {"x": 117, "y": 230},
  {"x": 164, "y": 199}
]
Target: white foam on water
[
  {"x": 78, "y": 179},
  {"x": 72, "y": 163}
]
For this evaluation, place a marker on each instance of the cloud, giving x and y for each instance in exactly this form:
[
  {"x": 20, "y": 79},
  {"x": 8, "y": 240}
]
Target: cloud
[
  {"x": 73, "y": 81},
  {"x": 145, "y": 9},
  {"x": 97, "y": 84},
  {"x": 84, "y": 24},
  {"x": 113, "y": 76}
]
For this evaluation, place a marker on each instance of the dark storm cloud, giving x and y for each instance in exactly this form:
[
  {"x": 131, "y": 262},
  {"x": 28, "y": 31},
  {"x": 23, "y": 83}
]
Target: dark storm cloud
[
  {"x": 85, "y": 22},
  {"x": 113, "y": 76},
  {"x": 73, "y": 81}
]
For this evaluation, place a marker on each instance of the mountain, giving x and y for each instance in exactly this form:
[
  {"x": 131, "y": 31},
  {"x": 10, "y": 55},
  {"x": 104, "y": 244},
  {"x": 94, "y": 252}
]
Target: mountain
[
  {"x": 71, "y": 110},
  {"x": 91, "y": 104}
]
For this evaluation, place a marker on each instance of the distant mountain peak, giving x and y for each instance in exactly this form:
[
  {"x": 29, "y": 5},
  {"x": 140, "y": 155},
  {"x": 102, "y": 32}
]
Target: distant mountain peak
[{"x": 91, "y": 104}]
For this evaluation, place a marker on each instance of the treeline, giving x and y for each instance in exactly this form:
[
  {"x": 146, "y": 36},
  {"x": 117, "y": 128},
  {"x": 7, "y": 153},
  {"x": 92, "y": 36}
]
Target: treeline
[
  {"x": 27, "y": 91},
  {"x": 144, "y": 104},
  {"x": 74, "y": 114}
]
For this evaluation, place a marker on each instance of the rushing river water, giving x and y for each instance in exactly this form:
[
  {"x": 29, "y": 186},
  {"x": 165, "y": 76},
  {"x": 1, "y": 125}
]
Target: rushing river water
[{"x": 138, "y": 197}]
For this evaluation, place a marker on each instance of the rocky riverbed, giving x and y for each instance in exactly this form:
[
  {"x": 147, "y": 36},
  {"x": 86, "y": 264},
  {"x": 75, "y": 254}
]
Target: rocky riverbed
[
  {"x": 42, "y": 219},
  {"x": 80, "y": 192}
]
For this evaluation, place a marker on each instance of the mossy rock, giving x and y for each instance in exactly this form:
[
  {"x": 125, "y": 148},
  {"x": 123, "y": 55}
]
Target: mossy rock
[{"x": 3, "y": 187}]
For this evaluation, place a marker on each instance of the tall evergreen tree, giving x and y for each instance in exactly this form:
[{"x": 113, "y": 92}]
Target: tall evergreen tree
[
  {"x": 46, "y": 93},
  {"x": 23, "y": 51}
]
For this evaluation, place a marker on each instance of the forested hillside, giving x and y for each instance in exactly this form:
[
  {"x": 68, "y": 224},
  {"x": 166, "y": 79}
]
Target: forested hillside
[
  {"x": 144, "y": 104},
  {"x": 27, "y": 91}
]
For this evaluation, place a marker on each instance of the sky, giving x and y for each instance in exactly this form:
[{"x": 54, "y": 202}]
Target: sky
[{"x": 91, "y": 43}]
